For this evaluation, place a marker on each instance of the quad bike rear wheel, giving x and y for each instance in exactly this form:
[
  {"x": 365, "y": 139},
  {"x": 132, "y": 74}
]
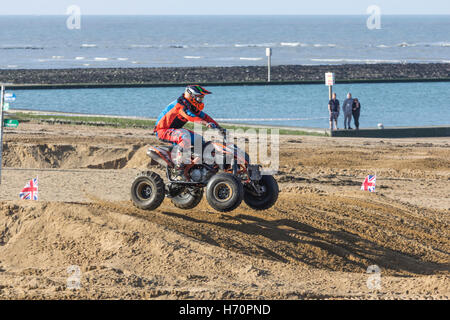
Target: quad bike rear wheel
[
  {"x": 188, "y": 199},
  {"x": 147, "y": 191},
  {"x": 224, "y": 192},
  {"x": 269, "y": 194}
]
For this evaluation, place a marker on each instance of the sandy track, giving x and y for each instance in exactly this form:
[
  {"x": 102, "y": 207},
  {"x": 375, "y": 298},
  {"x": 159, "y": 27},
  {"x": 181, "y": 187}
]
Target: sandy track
[{"x": 317, "y": 242}]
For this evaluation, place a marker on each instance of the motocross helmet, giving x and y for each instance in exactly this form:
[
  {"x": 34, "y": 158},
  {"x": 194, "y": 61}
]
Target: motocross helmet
[{"x": 195, "y": 95}]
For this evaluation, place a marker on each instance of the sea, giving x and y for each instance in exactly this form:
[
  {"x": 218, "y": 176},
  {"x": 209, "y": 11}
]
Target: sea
[
  {"x": 164, "y": 41},
  {"x": 43, "y": 42},
  {"x": 392, "y": 104}
]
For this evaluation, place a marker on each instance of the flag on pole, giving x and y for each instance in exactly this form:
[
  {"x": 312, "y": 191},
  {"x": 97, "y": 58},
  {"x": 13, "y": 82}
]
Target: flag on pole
[
  {"x": 369, "y": 183},
  {"x": 30, "y": 191}
]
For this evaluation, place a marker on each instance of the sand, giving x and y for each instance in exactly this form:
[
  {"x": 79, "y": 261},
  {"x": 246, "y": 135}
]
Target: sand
[{"x": 315, "y": 243}]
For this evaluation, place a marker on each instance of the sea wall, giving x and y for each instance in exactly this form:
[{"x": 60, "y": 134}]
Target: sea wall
[
  {"x": 226, "y": 75},
  {"x": 399, "y": 132}
]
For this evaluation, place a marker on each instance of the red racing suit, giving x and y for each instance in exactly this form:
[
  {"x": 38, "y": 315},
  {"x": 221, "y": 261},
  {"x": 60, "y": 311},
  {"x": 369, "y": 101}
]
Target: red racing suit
[{"x": 169, "y": 126}]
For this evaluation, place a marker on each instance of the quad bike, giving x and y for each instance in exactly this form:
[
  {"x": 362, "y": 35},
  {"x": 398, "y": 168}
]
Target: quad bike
[{"x": 226, "y": 182}]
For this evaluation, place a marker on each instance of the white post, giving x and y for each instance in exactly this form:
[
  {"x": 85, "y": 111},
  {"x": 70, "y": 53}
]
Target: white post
[
  {"x": 269, "y": 58},
  {"x": 2, "y": 100},
  {"x": 329, "y": 81},
  {"x": 2, "y": 103}
]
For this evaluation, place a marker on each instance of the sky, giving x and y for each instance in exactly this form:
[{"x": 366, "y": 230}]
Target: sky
[{"x": 224, "y": 7}]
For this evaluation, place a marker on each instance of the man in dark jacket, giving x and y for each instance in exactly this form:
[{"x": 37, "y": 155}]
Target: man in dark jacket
[
  {"x": 347, "y": 107},
  {"x": 334, "y": 108},
  {"x": 356, "y": 111}
]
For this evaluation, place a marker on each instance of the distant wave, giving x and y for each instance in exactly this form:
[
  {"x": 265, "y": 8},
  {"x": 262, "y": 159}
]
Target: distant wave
[
  {"x": 405, "y": 44},
  {"x": 20, "y": 47},
  {"x": 143, "y": 46},
  {"x": 419, "y": 44},
  {"x": 329, "y": 60},
  {"x": 254, "y": 45},
  {"x": 290, "y": 44},
  {"x": 426, "y": 44},
  {"x": 442, "y": 44},
  {"x": 250, "y": 59},
  {"x": 293, "y": 44},
  {"x": 330, "y": 45},
  {"x": 204, "y": 45},
  {"x": 150, "y": 46},
  {"x": 87, "y": 45},
  {"x": 57, "y": 57},
  {"x": 192, "y": 57},
  {"x": 101, "y": 59},
  {"x": 368, "y": 61},
  {"x": 284, "y": 44},
  {"x": 80, "y": 58},
  {"x": 122, "y": 59},
  {"x": 300, "y": 44}
]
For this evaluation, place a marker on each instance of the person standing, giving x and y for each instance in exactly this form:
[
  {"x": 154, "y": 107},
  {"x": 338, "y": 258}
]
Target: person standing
[
  {"x": 334, "y": 108},
  {"x": 356, "y": 112},
  {"x": 347, "y": 107}
]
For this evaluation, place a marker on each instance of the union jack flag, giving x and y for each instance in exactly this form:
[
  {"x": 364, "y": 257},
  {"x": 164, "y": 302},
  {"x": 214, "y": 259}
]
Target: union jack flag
[
  {"x": 30, "y": 192},
  {"x": 369, "y": 183}
]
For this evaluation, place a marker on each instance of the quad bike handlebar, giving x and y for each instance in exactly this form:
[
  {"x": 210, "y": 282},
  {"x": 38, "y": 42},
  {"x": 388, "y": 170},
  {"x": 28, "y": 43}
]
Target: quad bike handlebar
[{"x": 222, "y": 131}]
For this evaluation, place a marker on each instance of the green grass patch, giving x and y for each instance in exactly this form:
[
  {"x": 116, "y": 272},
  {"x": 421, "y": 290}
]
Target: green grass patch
[
  {"x": 136, "y": 123},
  {"x": 281, "y": 131},
  {"x": 114, "y": 122}
]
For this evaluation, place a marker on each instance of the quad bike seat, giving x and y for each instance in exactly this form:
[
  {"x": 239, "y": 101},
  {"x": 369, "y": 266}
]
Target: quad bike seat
[{"x": 166, "y": 148}]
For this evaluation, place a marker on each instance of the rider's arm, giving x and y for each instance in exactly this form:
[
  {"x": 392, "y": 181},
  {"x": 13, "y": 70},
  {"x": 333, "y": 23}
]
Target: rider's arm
[
  {"x": 201, "y": 117},
  {"x": 208, "y": 119}
]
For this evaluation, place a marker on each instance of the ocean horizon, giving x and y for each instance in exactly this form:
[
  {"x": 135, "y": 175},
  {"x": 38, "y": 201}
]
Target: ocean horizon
[{"x": 122, "y": 41}]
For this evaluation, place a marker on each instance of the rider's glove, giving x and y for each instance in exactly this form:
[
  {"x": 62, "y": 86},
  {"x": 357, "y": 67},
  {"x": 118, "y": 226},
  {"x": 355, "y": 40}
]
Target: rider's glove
[
  {"x": 211, "y": 125},
  {"x": 223, "y": 131}
]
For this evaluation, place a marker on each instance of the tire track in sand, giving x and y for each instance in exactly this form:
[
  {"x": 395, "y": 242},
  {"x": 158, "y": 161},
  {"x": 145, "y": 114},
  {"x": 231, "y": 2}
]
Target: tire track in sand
[{"x": 338, "y": 233}]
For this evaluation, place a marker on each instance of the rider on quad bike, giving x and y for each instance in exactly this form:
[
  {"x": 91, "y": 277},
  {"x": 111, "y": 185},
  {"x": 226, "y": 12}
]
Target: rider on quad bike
[
  {"x": 188, "y": 107},
  {"x": 230, "y": 179}
]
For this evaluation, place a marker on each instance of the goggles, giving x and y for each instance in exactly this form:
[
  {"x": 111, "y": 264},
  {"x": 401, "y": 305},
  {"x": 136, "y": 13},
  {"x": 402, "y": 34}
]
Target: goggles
[{"x": 199, "y": 99}]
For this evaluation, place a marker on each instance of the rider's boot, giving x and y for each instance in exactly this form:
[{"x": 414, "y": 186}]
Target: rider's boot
[{"x": 179, "y": 166}]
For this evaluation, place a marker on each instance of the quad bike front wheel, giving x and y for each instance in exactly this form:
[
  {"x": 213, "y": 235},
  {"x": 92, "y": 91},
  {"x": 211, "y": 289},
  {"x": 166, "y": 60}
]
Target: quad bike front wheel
[
  {"x": 224, "y": 192},
  {"x": 147, "y": 191},
  {"x": 188, "y": 199},
  {"x": 267, "y": 197}
]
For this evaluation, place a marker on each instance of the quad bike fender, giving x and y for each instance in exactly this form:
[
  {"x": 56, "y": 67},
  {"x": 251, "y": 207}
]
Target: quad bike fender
[{"x": 159, "y": 156}]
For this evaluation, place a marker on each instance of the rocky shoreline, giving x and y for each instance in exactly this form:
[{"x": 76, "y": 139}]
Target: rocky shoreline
[{"x": 226, "y": 75}]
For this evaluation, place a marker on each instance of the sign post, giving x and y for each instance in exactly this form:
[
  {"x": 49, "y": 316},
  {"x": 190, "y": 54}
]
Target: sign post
[
  {"x": 269, "y": 62},
  {"x": 9, "y": 97},
  {"x": 9, "y": 123},
  {"x": 329, "y": 81},
  {"x": 2, "y": 101},
  {"x": 14, "y": 123}
]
